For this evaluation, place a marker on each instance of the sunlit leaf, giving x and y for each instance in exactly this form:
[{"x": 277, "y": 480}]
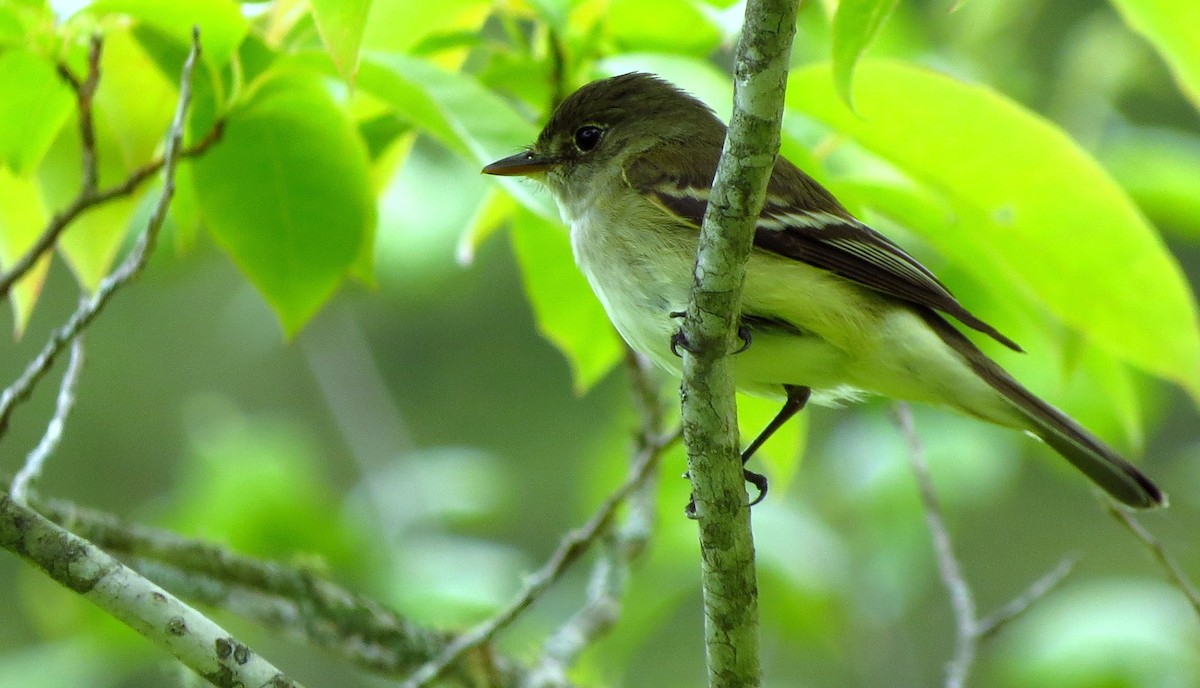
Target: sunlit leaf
[
  {"x": 397, "y": 25},
  {"x": 1173, "y": 28},
  {"x": 457, "y": 111},
  {"x": 855, "y": 26},
  {"x": 134, "y": 103},
  {"x": 564, "y": 306},
  {"x": 222, "y": 26},
  {"x": 91, "y": 241},
  {"x": 497, "y": 207},
  {"x": 132, "y": 111},
  {"x": 22, "y": 218},
  {"x": 287, "y": 194},
  {"x": 11, "y": 30},
  {"x": 341, "y": 23},
  {"x": 675, "y": 26},
  {"x": 1161, "y": 171},
  {"x": 1038, "y": 205},
  {"x": 33, "y": 109}
]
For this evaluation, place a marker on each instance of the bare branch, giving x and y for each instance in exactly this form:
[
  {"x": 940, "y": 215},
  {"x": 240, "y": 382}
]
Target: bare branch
[
  {"x": 85, "y": 94},
  {"x": 570, "y": 549},
  {"x": 969, "y": 629},
  {"x": 128, "y": 269},
  {"x": 961, "y": 599},
  {"x": 89, "y": 194},
  {"x": 36, "y": 460},
  {"x": 623, "y": 547},
  {"x": 1174, "y": 571},
  {"x": 76, "y": 563},
  {"x": 1041, "y": 587}
]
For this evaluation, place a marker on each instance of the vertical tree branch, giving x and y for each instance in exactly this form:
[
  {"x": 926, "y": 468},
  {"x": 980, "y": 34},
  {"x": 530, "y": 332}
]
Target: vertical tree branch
[{"x": 709, "y": 413}]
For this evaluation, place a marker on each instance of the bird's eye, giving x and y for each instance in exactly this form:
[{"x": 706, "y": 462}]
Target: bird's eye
[{"x": 587, "y": 138}]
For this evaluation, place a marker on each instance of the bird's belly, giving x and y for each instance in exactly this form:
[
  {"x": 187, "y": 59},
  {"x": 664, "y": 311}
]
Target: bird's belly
[{"x": 640, "y": 287}]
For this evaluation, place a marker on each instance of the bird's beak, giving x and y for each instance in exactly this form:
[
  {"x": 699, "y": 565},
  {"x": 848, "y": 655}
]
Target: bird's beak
[{"x": 524, "y": 164}]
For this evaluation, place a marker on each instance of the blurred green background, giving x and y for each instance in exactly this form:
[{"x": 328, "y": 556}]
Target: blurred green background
[{"x": 421, "y": 442}]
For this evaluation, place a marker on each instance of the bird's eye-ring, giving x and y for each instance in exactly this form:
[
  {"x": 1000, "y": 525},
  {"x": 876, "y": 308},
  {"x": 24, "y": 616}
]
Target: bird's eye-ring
[{"x": 588, "y": 137}]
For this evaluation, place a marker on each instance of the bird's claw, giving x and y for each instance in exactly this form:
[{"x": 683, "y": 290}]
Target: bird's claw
[
  {"x": 758, "y": 480},
  {"x": 678, "y": 341},
  {"x": 743, "y": 333}
]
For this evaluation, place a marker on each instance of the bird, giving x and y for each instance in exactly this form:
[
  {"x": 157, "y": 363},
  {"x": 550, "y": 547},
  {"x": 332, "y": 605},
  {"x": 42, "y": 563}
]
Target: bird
[{"x": 832, "y": 310}]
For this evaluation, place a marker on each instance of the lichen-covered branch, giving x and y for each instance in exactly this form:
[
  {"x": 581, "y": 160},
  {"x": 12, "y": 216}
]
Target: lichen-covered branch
[
  {"x": 709, "y": 414},
  {"x": 145, "y": 607}
]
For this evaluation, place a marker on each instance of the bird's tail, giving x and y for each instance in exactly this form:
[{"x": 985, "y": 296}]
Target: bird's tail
[{"x": 1084, "y": 450}]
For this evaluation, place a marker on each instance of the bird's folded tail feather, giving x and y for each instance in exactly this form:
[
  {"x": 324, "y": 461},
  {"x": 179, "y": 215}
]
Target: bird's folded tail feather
[{"x": 1084, "y": 450}]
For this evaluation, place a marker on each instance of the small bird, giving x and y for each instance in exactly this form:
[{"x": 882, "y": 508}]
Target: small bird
[{"x": 831, "y": 309}]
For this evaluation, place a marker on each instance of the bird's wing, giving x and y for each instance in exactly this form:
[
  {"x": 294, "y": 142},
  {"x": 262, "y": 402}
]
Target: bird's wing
[{"x": 811, "y": 227}]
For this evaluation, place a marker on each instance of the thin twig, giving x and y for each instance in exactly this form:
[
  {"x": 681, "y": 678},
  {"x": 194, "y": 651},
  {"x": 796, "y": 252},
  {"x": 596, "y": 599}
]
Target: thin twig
[
  {"x": 78, "y": 564},
  {"x": 85, "y": 95},
  {"x": 36, "y": 460},
  {"x": 970, "y": 631},
  {"x": 570, "y": 549},
  {"x": 961, "y": 598},
  {"x": 624, "y": 545},
  {"x": 997, "y": 620},
  {"x": 129, "y": 268},
  {"x": 90, "y": 197},
  {"x": 1174, "y": 571}
]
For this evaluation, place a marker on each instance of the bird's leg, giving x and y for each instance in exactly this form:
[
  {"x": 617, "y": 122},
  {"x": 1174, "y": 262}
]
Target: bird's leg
[{"x": 797, "y": 398}]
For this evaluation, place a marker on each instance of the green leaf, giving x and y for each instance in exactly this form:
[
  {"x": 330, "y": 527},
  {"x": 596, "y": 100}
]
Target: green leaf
[
  {"x": 341, "y": 24},
  {"x": 855, "y": 26},
  {"x": 11, "y": 30},
  {"x": 287, "y": 194},
  {"x": 670, "y": 26},
  {"x": 495, "y": 209},
  {"x": 567, "y": 311},
  {"x": 457, "y": 111},
  {"x": 396, "y": 26},
  {"x": 134, "y": 103},
  {"x": 184, "y": 212},
  {"x": 222, "y": 26},
  {"x": 1173, "y": 28},
  {"x": 35, "y": 106},
  {"x": 1030, "y": 202},
  {"x": 91, "y": 241},
  {"x": 1161, "y": 170},
  {"x": 22, "y": 218}
]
